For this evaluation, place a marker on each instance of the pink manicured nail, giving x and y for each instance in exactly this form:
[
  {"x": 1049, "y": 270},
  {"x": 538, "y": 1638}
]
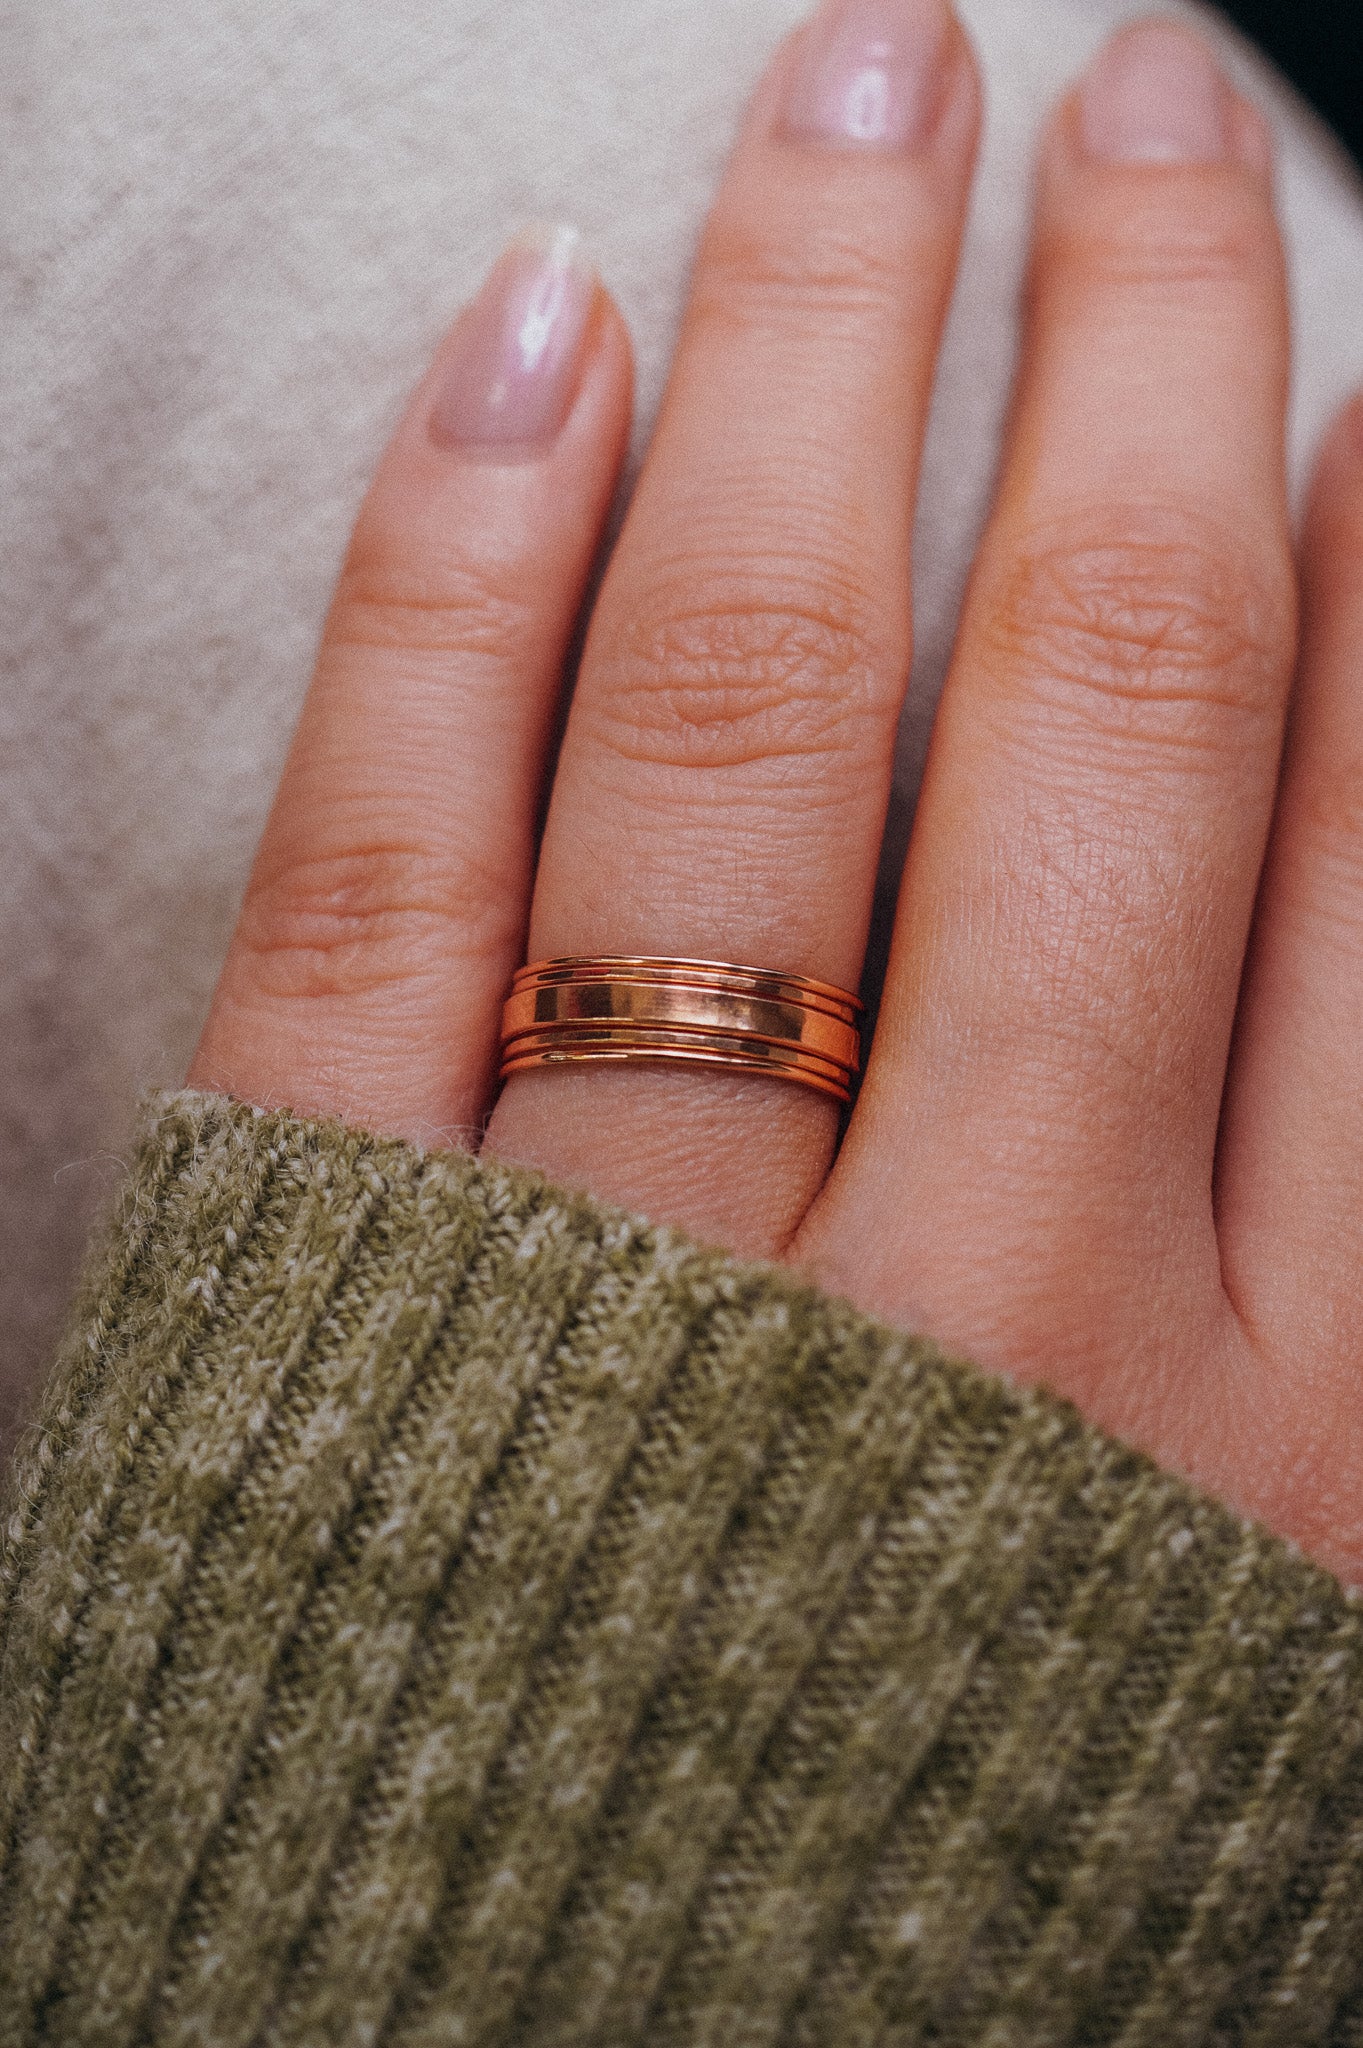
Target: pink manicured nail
[
  {"x": 870, "y": 75},
  {"x": 515, "y": 361},
  {"x": 1156, "y": 95}
]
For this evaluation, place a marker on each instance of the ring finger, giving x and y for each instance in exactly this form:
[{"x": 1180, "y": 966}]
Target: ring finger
[{"x": 723, "y": 781}]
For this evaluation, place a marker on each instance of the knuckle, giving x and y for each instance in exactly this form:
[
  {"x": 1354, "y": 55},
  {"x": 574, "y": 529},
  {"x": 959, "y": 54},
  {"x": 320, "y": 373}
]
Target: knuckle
[
  {"x": 721, "y": 685},
  {"x": 385, "y": 600},
  {"x": 318, "y": 927},
  {"x": 1154, "y": 248},
  {"x": 747, "y": 276},
  {"x": 1159, "y": 630}
]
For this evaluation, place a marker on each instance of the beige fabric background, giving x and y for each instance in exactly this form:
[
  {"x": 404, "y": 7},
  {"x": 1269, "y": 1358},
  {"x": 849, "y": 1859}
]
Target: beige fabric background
[{"x": 232, "y": 230}]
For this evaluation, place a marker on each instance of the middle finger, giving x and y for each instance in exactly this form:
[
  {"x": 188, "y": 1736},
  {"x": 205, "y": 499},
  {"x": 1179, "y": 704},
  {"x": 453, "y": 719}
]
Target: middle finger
[{"x": 722, "y": 787}]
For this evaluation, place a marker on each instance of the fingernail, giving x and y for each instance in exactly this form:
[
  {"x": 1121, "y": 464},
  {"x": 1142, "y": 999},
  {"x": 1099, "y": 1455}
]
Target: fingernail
[
  {"x": 869, "y": 75},
  {"x": 1156, "y": 95},
  {"x": 516, "y": 357}
]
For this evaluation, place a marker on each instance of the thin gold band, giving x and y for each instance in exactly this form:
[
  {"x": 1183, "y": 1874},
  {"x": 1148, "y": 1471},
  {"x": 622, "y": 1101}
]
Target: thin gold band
[{"x": 707, "y": 1012}]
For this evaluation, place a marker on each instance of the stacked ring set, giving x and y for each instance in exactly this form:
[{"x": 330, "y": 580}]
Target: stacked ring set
[{"x": 703, "y": 1012}]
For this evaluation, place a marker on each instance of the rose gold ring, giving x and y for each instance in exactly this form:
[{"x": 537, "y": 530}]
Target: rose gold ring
[{"x": 705, "y": 1012}]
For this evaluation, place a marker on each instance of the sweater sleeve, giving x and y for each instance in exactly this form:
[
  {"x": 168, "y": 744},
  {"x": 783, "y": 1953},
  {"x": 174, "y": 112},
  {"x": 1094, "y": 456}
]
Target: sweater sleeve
[{"x": 437, "y": 1609}]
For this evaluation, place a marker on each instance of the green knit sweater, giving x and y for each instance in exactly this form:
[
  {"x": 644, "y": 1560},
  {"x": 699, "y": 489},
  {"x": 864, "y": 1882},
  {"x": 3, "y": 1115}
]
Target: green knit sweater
[{"x": 437, "y": 1609}]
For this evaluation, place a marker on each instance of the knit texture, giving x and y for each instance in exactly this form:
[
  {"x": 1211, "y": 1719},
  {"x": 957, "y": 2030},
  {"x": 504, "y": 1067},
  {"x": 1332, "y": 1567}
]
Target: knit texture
[{"x": 437, "y": 1609}]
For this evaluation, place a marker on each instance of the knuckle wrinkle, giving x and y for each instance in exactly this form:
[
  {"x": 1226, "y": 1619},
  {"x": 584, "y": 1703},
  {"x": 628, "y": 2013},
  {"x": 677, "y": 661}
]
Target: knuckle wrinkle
[
  {"x": 722, "y": 686},
  {"x": 457, "y": 610},
  {"x": 1164, "y": 635},
  {"x": 371, "y": 917},
  {"x": 747, "y": 274}
]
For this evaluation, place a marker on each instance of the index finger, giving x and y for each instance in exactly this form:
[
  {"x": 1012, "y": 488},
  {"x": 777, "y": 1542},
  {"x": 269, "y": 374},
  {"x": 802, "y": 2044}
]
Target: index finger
[{"x": 386, "y": 910}]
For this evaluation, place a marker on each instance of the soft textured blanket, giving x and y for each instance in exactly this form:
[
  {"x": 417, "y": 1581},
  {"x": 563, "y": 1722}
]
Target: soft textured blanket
[{"x": 232, "y": 232}]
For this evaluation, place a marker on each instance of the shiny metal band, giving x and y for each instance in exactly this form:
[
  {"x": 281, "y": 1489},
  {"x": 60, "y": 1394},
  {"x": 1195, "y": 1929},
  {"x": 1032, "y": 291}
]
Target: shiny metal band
[{"x": 706, "y": 1012}]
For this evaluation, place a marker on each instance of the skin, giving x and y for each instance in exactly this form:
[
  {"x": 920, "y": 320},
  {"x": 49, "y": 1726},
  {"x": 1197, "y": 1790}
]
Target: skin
[{"x": 1111, "y": 1132}]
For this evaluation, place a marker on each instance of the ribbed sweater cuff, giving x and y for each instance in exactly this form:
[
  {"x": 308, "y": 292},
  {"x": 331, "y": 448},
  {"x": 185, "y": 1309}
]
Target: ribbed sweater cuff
[{"x": 440, "y": 1610}]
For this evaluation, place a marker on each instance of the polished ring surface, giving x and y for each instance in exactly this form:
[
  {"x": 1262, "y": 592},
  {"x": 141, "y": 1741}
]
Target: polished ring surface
[{"x": 704, "y": 1012}]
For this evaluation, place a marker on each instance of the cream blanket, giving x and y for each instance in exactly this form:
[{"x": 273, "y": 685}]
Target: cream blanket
[{"x": 232, "y": 232}]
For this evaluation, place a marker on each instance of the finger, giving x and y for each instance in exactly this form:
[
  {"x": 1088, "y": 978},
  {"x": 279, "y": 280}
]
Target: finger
[
  {"x": 1088, "y": 841},
  {"x": 725, "y": 773},
  {"x": 386, "y": 910},
  {"x": 1290, "y": 1167}
]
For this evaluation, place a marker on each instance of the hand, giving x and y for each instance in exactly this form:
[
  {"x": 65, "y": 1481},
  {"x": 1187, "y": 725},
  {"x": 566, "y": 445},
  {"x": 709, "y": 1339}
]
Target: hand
[{"x": 1111, "y": 1134}]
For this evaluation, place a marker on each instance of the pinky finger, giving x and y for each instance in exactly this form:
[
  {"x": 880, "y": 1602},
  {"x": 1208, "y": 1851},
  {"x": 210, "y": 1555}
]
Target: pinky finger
[
  {"x": 1290, "y": 1165},
  {"x": 386, "y": 911}
]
